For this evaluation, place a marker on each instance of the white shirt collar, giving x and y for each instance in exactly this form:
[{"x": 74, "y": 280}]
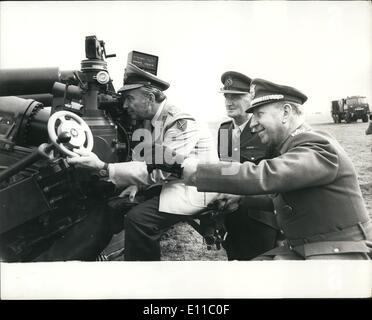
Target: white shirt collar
[
  {"x": 242, "y": 126},
  {"x": 158, "y": 113}
]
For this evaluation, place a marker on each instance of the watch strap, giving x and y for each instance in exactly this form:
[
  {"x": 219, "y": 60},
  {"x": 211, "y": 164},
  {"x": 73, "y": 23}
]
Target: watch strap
[{"x": 104, "y": 172}]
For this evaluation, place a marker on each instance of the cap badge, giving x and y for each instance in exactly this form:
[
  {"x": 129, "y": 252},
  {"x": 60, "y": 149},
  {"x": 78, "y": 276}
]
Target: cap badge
[
  {"x": 229, "y": 82},
  {"x": 252, "y": 90}
]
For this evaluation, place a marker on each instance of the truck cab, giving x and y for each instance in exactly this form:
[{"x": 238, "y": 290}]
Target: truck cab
[{"x": 350, "y": 109}]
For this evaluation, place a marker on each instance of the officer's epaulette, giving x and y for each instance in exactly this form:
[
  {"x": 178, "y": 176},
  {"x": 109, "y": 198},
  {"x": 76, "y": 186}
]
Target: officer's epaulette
[
  {"x": 300, "y": 130},
  {"x": 173, "y": 110},
  {"x": 225, "y": 124},
  {"x": 307, "y": 137},
  {"x": 177, "y": 117}
]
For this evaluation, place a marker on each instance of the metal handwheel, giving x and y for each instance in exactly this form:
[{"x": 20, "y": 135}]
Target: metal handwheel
[{"x": 68, "y": 131}]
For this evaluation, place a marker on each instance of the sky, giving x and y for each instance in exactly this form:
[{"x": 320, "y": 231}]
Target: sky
[{"x": 322, "y": 48}]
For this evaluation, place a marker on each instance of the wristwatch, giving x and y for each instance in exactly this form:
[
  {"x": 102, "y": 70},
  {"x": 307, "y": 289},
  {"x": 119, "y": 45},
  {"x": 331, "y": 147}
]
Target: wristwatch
[{"x": 104, "y": 172}]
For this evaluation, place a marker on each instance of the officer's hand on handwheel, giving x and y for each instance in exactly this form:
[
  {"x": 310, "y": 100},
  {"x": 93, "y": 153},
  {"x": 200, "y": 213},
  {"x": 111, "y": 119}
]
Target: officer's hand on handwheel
[{"x": 86, "y": 159}]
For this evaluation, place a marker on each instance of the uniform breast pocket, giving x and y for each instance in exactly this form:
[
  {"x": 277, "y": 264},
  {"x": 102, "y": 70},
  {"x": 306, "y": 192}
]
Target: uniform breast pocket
[{"x": 252, "y": 154}]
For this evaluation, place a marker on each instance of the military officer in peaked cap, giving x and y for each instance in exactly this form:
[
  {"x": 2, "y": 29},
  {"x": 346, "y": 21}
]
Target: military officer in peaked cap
[
  {"x": 169, "y": 127},
  {"x": 318, "y": 202},
  {"x": 250, "y": 231}
]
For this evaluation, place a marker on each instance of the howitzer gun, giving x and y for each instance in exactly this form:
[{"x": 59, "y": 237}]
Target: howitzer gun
[{"x": 44, "y": 114}]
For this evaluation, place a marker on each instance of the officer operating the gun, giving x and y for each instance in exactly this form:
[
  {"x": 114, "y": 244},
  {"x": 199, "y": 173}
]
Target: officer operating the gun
[{"x": 168, "y": 126}]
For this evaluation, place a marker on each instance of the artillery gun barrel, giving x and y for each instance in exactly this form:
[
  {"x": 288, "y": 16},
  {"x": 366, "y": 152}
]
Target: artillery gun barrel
[{"x": 14, "y": 82}]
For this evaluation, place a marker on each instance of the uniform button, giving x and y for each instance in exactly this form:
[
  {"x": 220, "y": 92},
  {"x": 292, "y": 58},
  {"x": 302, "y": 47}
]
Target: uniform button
[
  {"x": 252, "y": 158},
  {"x": 275, "y": 213},
  {"x": 235, "y": 149},
  {"x": 281, "y": 231},
  {"x": 336, "y": 250},
  {"x": 281, "y": 244}
]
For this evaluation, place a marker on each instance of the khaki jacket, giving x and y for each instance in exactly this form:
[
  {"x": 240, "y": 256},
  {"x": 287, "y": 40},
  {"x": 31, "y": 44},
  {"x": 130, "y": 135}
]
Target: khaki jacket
[{"x": 179, "y": 131}]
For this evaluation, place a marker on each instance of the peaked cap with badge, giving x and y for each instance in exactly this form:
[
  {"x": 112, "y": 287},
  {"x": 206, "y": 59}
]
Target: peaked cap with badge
[
  {"x": 235, "y": 83},
  {"x": 264, "y": 92},
  {"x": 135, "y": 77}
]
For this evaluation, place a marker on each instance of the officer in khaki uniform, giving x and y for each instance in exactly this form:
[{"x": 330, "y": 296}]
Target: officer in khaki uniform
[
  {"x": 250, "y": 231},
  {"x": 168, "y": 126},
  {"x": 318, "y": 202}
]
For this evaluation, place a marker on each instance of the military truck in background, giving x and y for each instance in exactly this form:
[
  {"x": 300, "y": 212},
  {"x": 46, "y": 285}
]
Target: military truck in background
[{"x": 350, "y": 109}]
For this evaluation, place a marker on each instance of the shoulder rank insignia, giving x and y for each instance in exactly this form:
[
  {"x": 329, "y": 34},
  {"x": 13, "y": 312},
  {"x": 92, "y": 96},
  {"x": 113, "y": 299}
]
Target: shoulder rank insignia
[
  {"x": 181, "y": 124},
  {"x": 172, "y": 110},
  {"x": 299, "y": 130}
]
